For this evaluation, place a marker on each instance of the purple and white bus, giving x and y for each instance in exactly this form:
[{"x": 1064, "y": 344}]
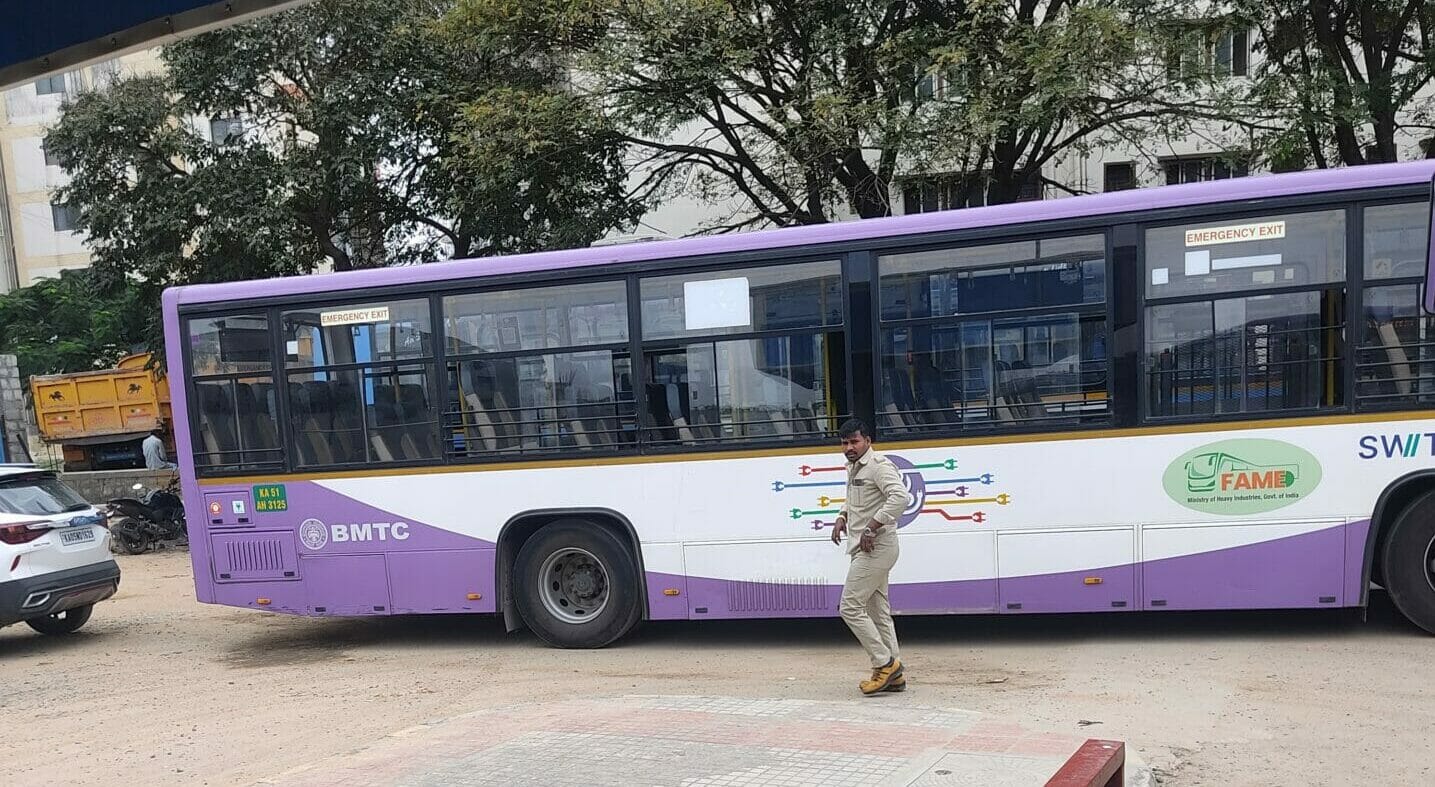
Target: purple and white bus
[{"x": 1213, "y": 396}]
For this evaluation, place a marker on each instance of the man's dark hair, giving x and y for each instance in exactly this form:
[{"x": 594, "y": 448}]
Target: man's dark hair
[{"x": 854, "y": 426}]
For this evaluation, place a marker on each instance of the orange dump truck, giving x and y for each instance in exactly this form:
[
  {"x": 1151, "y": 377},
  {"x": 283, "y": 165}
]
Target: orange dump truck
[{"x": 99, "y": 418}]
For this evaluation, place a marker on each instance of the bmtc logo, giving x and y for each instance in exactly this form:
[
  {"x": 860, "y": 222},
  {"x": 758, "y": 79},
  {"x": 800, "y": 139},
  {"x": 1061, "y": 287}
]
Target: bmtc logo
[
  {"x": 1397, "y": 446},
  {"x": 947, "y": 494}
]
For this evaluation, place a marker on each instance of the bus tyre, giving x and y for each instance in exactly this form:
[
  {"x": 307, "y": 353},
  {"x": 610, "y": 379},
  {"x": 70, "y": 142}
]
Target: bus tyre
[
  {"x": 1409, "y": 562},
  {"x": 576, "y": 585}
]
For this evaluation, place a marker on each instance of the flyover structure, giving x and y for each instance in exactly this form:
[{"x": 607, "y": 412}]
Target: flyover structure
[{"x": 42, "y": 38}]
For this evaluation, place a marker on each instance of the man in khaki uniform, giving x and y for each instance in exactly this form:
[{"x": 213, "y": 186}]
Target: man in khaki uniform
[{"x": 875, "y": 499}]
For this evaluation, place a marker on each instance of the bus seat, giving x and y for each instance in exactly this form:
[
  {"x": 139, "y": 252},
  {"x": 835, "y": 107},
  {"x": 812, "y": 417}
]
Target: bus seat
[
  {"x": 418, "y": 426},
  {"x": 1399, "y": 367},
  {"x": 482, "y": 424},
  {"x": 381, "y": 449},
  {"x": 675, "y": 399}
]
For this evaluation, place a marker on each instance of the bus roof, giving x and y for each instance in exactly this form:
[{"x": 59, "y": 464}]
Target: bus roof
[{"x": 1238, "y": 189}]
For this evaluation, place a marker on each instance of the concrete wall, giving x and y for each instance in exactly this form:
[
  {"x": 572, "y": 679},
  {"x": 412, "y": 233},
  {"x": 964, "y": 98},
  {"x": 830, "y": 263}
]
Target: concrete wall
[
  {"x": 98, "y": 486},
  {"x": 12, "y": 411}
]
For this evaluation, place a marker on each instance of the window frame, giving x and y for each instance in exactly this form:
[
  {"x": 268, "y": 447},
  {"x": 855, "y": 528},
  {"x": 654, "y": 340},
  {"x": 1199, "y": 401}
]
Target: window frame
[
  {"x": 1349, "y": 286},
  {"x": 1357, "y": 302},
  {"x": 1100, "y": 225},
  {"x": 617, "y": 448},
  {"x": 770, "y": 259},
  {"x": 191, "y": 392},
  {"x": 435, "y": 384},
  {"x": 72, "y": 213}
]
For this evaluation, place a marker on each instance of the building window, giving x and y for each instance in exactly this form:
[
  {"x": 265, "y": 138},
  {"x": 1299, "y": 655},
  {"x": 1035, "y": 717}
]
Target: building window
[
  {"x": 226, "y": 130},
  {"x": 1205, "y": 48},
  {"x": 49, "y": 86},
  {"x": 1198, "y": 169},
  {"x": 951, "y": 191},
  {"x": 52, "y": 159},
  {"x": 1119, "y": 177},
  {"x": 65, "y": 217}
]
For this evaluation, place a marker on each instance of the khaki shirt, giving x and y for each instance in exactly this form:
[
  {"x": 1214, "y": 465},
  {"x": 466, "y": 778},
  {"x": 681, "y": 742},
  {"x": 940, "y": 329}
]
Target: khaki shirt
[{"x": 875, "y": 492}]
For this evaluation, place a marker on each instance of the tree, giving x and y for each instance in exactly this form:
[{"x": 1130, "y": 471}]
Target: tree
[
  {"x": 1341, "y": 80},
  {"x": 797, "y": 108},
  {"x": 352, "y": 133},
  {"x": 69, "y": 324}
]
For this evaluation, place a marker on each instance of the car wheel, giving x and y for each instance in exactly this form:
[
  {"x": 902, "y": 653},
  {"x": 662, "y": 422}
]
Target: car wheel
[{"x": 67, "y": 622}]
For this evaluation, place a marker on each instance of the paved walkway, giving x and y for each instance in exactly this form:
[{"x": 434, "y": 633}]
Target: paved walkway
[{"x": 721, "y": 741}]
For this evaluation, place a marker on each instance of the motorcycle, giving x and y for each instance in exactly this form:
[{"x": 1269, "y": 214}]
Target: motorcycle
[{"x": 139, "y": 523}]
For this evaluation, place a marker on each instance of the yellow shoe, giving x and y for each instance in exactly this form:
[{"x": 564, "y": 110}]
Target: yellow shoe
[
  {"x": 898, "y": 683},
  {"x": 882, "y": 677}
]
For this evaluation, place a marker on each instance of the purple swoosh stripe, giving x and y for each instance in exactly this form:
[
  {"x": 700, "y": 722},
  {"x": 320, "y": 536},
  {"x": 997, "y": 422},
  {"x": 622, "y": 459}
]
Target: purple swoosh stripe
[{"x": 1291, "y": 572}]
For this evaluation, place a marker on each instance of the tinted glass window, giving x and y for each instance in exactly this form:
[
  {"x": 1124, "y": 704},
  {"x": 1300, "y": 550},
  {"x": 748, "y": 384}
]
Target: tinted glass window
[
  {"x": 357, "y": 333},
  {"x": 1397, "y": 358},
  {"x": 745, "y": 388},
  {"x": 537, "y": 319},
  {"x": 1395, "y": 240},
  {"x": 1232, "y": 255},
  {"x": 989, "y": 372},
  {"x": 537, "y": 402},
  {"x": 231, "y": 344},
  {"x": 1025, "y": 275},
  {"x": 1262, "y": 353},
  {"x": 781, "y": 297}
]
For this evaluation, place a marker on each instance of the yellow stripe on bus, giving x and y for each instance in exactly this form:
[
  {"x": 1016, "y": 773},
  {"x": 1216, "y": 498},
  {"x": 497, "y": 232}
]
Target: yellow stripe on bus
[{"x": 898, "y": 445}]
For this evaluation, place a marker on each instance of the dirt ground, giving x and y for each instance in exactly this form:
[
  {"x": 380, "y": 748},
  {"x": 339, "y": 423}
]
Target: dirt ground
[{"x": 158, "y": 689}]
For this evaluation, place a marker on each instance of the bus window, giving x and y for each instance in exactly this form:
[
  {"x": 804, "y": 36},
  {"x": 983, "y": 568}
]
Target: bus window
[
  {"x": 236, "y": 423},
  {"x": 1255, "y": 352},
  {"x": 541, "y": 368},
  {"x": 1046, "y": 363},
  {"x": 358, "y": 383},
  {"x": 1395, "y": 366},
  {"x": 705, "y": 382}
]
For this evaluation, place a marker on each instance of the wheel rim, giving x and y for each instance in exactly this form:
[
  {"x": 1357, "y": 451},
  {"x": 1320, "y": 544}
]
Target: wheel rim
[
  {"x": 1430, "y": 563},
  {"x": 574, "y": 585}
]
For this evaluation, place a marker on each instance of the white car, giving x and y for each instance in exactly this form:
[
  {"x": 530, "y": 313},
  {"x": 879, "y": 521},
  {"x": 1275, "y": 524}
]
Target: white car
[{"x": 54, "y": 552}]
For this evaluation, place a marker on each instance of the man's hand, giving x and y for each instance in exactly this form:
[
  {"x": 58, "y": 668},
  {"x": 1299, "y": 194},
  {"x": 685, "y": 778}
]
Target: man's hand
[
  {"x": 837, "y": 531},
  {"x": 868, "y": 541}
]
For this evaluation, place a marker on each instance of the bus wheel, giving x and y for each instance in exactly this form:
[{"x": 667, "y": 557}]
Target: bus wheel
[
  {"x": 1409, "y": 562},
  {"x": 576, "y": 585}
]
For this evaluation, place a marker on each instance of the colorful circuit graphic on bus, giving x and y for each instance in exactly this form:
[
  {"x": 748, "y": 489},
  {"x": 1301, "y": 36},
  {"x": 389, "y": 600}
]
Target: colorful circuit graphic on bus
[{"x": 934, "y": 489}]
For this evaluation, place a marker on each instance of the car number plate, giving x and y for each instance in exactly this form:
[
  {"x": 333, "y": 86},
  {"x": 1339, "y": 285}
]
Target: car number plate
[{"x": 79, "y": 535}]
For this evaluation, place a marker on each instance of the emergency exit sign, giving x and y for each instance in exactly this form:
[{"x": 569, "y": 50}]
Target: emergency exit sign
[{"x": 270, "y": 498}]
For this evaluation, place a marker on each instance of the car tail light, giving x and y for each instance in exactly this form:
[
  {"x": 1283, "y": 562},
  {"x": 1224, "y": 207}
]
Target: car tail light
[{"x": 23, "y": 532}]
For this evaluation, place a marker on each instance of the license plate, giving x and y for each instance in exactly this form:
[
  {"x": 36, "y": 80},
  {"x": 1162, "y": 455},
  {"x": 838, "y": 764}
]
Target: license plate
[{"x": 79, "y": 535}]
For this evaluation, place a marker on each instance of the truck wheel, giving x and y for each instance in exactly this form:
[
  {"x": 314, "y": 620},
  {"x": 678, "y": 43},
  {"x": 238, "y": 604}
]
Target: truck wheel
[
  {"x": 576, "y": 585},
  {"x": 67, "y": 622},
  {"x": 1409, "y": 562}
]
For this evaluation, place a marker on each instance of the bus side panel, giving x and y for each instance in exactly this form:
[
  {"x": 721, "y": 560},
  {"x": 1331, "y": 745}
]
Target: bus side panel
[{"x": 1281, "y": 565}]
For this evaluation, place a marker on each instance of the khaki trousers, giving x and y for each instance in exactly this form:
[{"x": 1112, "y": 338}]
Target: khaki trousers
[{"x": 864, "y": 600}]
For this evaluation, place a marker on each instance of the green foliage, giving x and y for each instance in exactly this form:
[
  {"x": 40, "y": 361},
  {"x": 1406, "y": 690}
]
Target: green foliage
[
  {"x": 70, "y": 324},
  {"x": 371, "y": 136},
  {"x": 1341, "y": 80},
  {"x": 797, "y": 108}
]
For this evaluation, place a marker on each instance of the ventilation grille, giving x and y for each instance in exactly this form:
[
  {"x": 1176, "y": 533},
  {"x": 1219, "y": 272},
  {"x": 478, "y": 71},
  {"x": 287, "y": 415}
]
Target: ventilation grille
[
  {"x": 782, "y": 595},
  {"x": 246, "y": 557},
  {"x": 257, "y": 556}
]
